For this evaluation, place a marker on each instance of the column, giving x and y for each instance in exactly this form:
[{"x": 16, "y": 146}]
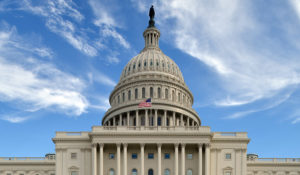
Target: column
[
  {"x": 118, "y": 159},
  {"x": 101, "y": 159},
  {"x": 120, "y": 120},
  {"x": 137, "y": 118},
  {"x": 142, "y": 158},
  {"x": 155, "y": 116},
  {"x": 183, "y": 159},
  {"x": 125, "y": 158},
  {"x": 128, "y": 117},
  {"x": 200, "y": 159},
  {"x": 174, "y": 119},
  {"x": 176, "y": 159},
  {"x": 188, "y": 121},
  {"x": 114, "y": 120},
  {"x": 146, "y": 118},
  {"x": 165, "y": 118},
  {"x": 207, "y": 159},
  {"x": 94, "y": 159},
  {"x": 159, "y": 158},
  {"x": 181, "y": 120}
]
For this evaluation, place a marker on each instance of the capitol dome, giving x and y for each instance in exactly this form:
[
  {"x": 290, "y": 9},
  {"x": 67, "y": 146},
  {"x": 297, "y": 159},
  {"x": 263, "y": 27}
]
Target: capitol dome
[{"x": 151, "y": 75}]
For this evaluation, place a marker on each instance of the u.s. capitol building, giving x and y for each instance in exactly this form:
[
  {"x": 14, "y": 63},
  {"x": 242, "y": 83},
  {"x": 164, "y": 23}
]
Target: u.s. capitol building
[{"x": 164, "y": 137}]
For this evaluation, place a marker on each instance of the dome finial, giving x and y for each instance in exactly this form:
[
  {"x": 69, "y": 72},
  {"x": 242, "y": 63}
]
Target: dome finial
[{"x": 151, "y": 15}]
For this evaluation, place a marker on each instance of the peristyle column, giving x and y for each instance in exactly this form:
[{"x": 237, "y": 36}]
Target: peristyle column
[
  {"x": 183, "y": 159},
  {"x": 142, "y": 158},
  {"x": 159, "y": 158},
  {"x": 118, "y": 159},
  {"x": 101, "y": 158}
]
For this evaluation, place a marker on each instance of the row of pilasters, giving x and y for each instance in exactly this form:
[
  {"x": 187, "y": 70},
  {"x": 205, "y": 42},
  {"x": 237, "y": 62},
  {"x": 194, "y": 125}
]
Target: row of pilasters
[
  {"x": 142, "y": 161},
  {"x": 175, "y": 119}
]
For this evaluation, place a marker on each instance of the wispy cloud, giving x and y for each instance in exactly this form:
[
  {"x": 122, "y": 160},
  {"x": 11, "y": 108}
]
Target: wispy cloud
[
  {"x": 106, "y": 23},
  {"x": 99, "y": 77},
  {"x": 13, "y": 119},
  {"x": 36, "y": 84},
  {"x": 297, "y": 120}
]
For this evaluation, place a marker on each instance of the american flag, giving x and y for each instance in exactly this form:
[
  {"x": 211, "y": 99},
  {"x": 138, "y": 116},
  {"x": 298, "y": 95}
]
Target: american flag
[{"x": 145, "y": 103}]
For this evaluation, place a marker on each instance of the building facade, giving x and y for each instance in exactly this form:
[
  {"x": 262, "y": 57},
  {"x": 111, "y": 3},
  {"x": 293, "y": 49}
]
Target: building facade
[{"x": 164, "y": 137}]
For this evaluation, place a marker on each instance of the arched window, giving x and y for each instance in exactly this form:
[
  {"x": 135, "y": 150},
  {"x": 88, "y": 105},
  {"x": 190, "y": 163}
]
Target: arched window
[
  {"x": 151, "y": 92},
  {"x": 189, "y": 172},
  {"x": 150, "y": 172},
  {"x": 158, "y": 93},
  {"x": 129, "y": 95},
  {"x": 167, "y": 172},
  {"x": 134, "y": 172},
  {"x": 145, "y": 64},
  {"x": 143, "y": 93},
  {"x": 136, "y": 93},
  {"x": 166, "y": 93},
  {"x": 111, "y": 171},
  {"x": 134, "y": 66},
  {"x": 158, "y": 121}
]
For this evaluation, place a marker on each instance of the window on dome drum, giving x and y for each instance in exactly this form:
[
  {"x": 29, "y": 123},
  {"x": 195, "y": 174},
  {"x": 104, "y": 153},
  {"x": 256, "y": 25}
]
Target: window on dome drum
[
  {"x": 150, "y": 156},
  {"x": 183, "y": 98},
  {"x": 151, "y": 63},
  {"x": 150, "y": 172},
  {"x": 139, "y": 64},
  {"x": 145, "y": 64},
  {"x": 179, "y": 97},
  {"x": 134, "y": 156},
  {"x": 227, "y": 156},
  {"x": 227, "y": 173},
  {"x": 167, "y": 155},
  {"x": 189, "y": 172},
  {"x": 123, "y": 97},
  {"x": 143, "y": 93},
  {"x": 136, "y": 93},
  {"x": 158, "y": 93},
  {"x": 74, "y": 173},
  {"x": 73, "y": 155},
  {"x": 189, "y": 156},
  {"x": 129, "y": 95},
  {"x": 111, "y": 155},
  {"x": 151, "y": 92},
  {"x": 157, "y": 63},
  {"x": 134, "y": 66},
  {"x": 111, "y": 171},
  {"x": 173, "y": 95},
  {"x": 158, "y": 121},
  {"x": 166, "y": 93},
  {"x": 163, "y": 64},
  {"x": 167, "y": 172},
  {"x": 118, "y": 99},
  {"x": 134, "y": 172}
]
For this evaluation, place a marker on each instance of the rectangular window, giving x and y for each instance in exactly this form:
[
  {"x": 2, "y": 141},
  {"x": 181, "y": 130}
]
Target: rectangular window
[
  {"x": 158, "y": 93},
  {"x": 74, "y": 173},
  {"x": 179, "y": 95},
  {"x": 134, "y": 155},
  {"x": 129, "y": 95},
  {"x": 123, "y": 97},
  {"x": 150, "y": 156},
  {"x": 167, "y": 155},
  {"x": 111, "y": 155},
  {"x": 151, "y": 92},
  {"x": 228, "y": 156},
  {"x": 166, "y": 94},
  {"x": 136, "y": 93},
  {"x": 189, "y": 156},
  {"x": 73, "y": 155},
  {"x": 143, "y": 93},
  {"x": 227, "y": 173}
]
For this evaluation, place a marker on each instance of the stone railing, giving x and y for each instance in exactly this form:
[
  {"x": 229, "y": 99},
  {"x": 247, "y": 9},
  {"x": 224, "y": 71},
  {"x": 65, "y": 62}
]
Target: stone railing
[
  {"x": 151, "y": 128},
  {"x": 33, "y": 159},
  {"x": 230, "y": 135},
  {"x": 274, "y": 160}
]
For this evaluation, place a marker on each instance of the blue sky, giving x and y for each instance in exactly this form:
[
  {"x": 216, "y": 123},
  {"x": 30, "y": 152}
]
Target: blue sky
[{"x": 60, "y": 59}]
